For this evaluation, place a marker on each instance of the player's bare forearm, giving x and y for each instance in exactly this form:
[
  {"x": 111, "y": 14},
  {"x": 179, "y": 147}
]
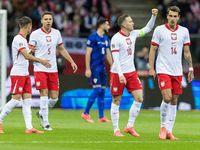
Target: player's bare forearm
[
  {"x": 88, "y": 57},
  {"x": 187, "y": 55},
  {"x": 152, "y": 56},
  {"x": 109, "y": 57}
]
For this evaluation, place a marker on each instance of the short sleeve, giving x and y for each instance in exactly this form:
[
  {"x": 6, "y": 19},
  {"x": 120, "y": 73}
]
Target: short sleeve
[
  {"x": 156, "y": 37},
  {"x": 187, "y": 38},
  {"x": 33, "y": 39},
  {"x": 114, "y": 44},
  {"x": 19, "y": 44},
  {"x": 90, "y": 41},
  {"x": 60, "y": 41}
]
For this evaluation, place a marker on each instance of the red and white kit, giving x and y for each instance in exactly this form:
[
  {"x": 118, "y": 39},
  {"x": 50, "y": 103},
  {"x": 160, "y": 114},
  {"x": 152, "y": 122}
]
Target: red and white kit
[
  {"x": 46, "y": 44},
  {"x": 169, "y": 61},
  {"x": 19, "y": 74},
  {"x": 124, "y": 47}
]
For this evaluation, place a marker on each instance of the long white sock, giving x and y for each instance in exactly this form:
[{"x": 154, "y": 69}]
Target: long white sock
[
  {"x": 52, "y": 102},
  {"x": 171, "y": 117},
  {"x": 44, "y": 109},
  {"x": 26, "y": 109},
  {"x": 115, "y": 116},
  {"x": 133, "y": 113},
  {"x": 8, "y": 108},
  {"x": 163, "y": 113}
]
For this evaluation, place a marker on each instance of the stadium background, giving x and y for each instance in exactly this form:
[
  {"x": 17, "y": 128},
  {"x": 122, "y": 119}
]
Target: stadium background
[{"x": 73, "y": 19}]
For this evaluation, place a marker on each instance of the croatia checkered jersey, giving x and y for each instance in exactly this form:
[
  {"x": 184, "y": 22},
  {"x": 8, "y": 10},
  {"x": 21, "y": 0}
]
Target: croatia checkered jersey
[
  {"x": 20, "y": 64},
  {"x": 99, "y": 46},
  {"x": 46, "y": 44},
  {"x": 125, "y": 46},
  {"x": 170, "y": 47}
]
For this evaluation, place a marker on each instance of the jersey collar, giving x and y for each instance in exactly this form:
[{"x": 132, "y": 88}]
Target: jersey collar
[
  {"x": 123, "y": 33},
  {"x": 45, "y": 31},
  {"x": 170, "y": 29},
  {"x": 21, "y": 35}
]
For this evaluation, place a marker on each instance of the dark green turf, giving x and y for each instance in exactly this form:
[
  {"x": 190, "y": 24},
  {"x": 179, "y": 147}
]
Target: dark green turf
[{"x": 70, "y": 131}]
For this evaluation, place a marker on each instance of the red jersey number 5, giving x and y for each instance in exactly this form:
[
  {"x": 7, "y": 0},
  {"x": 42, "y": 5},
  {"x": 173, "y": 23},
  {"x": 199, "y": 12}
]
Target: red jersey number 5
[{"x": 49, "y": 51}]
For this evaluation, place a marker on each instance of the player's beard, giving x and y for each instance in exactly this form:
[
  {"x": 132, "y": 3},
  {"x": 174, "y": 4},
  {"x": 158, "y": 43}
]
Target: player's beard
[{"x": 105, "y": 31}]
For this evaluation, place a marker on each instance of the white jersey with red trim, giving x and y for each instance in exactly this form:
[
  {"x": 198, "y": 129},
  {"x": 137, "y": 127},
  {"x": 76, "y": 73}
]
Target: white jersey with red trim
[
  {"x": 125, "y": 46},
  {"x": 170, "y": 47},
  {"x": 20, "y": 64},
  {"x": 46, "y": 44}
]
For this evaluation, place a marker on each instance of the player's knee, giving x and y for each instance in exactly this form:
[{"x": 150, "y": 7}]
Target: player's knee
[
  {"x": 167, "y": 99},
  {"x": 139, "y": 99},
  {"x": 116, "y": 100}
]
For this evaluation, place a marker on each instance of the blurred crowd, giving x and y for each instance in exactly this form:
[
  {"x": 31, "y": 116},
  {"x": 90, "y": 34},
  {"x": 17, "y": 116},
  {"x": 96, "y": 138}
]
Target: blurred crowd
[{"x": 74, "y": 18}]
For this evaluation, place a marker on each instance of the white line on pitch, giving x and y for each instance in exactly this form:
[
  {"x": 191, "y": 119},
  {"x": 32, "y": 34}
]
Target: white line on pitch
[{"x": 68, "y": 142}]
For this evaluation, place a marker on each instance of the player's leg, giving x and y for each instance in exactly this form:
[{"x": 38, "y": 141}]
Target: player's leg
[
  {"x": 116, "y": 89},
  {"x": 165, "y": 85},
  {"x": 26, "y": 109},
  {"x": 41, "y": 85},
  {"x": 116, "y": 99},
  {"x": 95, "y": 82},
  {"x": 53, "y": 86},
  {"x": 8, "y": 108},
  {"x": 92, "y": 97},
  {"x": 134, "y": 111},
  {"x": 177, "y": 89},
  {"x": 17, "y": 84},
  {"x": 100, "y": 98}
]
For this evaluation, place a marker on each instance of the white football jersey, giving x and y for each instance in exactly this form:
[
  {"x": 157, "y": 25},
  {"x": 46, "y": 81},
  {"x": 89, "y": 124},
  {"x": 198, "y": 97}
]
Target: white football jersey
[
  {"x": 46, "y": 44},
  {"x": 20, "y": 64},
  {"x": 170, "y": 47},
  {"x": 125, "y": 46}
]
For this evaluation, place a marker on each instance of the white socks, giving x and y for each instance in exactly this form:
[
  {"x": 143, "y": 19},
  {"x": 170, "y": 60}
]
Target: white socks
[
  {"x": 26, "y": 109},
  {"x": 133, "y": 113},
  {"x": 115, "y": 116},
  {"x": 163, "y": 113},
  {"x": 171, "y": 117},
  {"x": 44, "y": 109},
  {"x": 52, "y": 102},
  {"x": 7, "y": 108}
]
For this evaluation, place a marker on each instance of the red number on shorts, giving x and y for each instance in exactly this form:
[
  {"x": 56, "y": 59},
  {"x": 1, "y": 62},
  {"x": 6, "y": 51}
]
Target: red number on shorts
[
  {"x": 49, "y": 51},
  {"x": 173, "y": 50}
]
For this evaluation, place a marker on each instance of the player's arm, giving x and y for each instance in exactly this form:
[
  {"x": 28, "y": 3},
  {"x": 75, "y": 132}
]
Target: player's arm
[
  {"x": 152, "y": 53},
  {"x": 87, "y": 61},
  {"x": 188, "y": 57},
  {"x": 109, "y": 57},
  {"x": 116, "y": 63},
  {"x": 32, "y": 58},
  {"x": 66, "y": 55},
  {"x": 150, "y": 24}
]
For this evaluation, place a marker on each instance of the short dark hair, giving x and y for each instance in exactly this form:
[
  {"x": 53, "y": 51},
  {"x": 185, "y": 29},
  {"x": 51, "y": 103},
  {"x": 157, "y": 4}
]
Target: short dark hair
[
  {"x": 24, "y": 21},
  {"x": 174, "y": 9},
  {"x": 121, "y": 19},
  {"x": 46, "y": 13},
  {"x": 100, "y": 22}
]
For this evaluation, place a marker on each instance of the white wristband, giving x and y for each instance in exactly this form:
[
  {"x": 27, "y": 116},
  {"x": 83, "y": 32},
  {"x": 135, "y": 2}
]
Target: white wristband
[{"x": 191, "y": 69}]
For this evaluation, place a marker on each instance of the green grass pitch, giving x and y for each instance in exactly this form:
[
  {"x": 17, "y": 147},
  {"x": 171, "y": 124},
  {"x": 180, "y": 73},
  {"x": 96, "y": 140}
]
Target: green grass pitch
[{"x": 70, "y": 131}]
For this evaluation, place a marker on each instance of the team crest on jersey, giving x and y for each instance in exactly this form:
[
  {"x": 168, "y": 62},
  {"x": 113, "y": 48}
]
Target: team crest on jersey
[
  {"x": 48, "y": 38},
  {"x": 173, "y": 36},
  {"x": 115, "y": 89},
  {"x": 20, "y": 89},
  {"x": 88, "y": 42},
  {"x": 37, "y": 83},
  {"x": 113, "y": 46},
  {"x": 20, "y": 44},
  {"x": 128, "y": 41}
]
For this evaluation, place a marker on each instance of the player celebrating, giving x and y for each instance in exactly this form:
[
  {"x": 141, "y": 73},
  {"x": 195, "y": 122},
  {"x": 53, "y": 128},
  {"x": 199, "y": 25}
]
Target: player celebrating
[
  {"x": 47, "y": 39},
  {"x": 123, "y": 72},
  {"x": 96, "y": 50},
  {"x": 170, "y": 39},
  {"x": 20, "y": 79}
]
